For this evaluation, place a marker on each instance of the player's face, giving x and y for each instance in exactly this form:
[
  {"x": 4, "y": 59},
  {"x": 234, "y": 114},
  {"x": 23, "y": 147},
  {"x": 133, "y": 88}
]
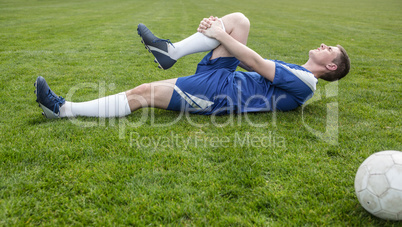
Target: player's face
[{"x": 324, "y": 54}]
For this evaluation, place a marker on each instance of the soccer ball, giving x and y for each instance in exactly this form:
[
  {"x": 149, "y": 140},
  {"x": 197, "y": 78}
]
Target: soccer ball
[{"x": 378, "y": 184}]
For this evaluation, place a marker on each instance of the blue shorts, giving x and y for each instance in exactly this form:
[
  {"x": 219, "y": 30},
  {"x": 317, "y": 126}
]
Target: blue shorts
[{"x": 206, "y": 91}]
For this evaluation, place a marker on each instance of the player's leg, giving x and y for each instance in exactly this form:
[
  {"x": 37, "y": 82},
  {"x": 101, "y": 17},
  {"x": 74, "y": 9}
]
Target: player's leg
[
  {"x": 156, "y": 94},
  {"x": 167, "y": 53},
  {"x": 236, "y": 25}
]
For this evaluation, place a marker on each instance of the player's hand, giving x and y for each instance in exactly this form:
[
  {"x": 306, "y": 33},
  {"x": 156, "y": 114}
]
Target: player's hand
[
  {"x": 214, "y": 27},
  {"x": 206, "y": 23}
]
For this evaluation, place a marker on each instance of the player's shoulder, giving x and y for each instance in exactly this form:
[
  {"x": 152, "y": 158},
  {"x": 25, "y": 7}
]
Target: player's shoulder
[{"x": 298, "y": 71}]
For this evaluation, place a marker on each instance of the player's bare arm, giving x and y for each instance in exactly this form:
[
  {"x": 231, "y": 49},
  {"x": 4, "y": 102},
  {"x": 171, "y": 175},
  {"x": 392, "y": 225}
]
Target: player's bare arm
[
  {"x": 244, "y": 66},
  {"x": 251, "y": 59}
]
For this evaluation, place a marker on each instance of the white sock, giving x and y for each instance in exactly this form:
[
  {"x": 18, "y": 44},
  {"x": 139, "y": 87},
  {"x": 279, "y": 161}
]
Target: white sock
[
  {"x": 196, "y": 43},
  {"x": 110, "y": 106}
]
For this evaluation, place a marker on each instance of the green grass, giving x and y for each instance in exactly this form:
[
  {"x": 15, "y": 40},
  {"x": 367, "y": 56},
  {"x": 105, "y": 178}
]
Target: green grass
[{"x": 193, "y": 172}]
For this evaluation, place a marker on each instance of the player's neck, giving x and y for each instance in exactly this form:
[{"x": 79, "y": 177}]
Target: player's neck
[{"x": 315, "y": 69}]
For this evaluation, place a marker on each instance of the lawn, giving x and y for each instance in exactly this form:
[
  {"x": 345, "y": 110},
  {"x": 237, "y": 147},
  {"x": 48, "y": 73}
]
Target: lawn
[{"x": 157, "y": 167}]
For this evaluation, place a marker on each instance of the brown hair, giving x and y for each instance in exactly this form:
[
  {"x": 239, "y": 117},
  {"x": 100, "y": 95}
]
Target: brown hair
[{"x": 343, "y": 63}]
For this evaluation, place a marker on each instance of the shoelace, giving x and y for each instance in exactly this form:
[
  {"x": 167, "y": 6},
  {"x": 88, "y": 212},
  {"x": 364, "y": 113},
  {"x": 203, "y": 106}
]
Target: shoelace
[
  {"x": 58, "y": 100},
  {"x": 163, "y": 40}
]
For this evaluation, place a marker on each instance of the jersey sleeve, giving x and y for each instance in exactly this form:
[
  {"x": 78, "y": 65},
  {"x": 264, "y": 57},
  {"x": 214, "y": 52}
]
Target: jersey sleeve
[{"x": 295, "y": 81}]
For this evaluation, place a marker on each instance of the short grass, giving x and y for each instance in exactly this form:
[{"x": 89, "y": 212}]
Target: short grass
[{"x": 157, "y": 167}]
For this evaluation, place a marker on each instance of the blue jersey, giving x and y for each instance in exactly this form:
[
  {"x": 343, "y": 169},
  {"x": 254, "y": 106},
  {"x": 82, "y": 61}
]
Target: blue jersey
[{"x": 216, "y": 88}]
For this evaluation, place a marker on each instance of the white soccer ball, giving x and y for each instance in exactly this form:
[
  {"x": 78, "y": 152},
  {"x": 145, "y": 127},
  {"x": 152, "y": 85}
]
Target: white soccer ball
[{"x": 378, "y": 184}]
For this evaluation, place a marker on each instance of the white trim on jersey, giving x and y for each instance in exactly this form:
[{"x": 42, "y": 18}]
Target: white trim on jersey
[
  {"x": 307, "y": 77},
  {"x": 192, "y": 100}
]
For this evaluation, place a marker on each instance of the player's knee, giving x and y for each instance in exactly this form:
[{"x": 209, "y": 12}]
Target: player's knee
[
  {"x": 241, "y": 20},
  {"x": 143, "y": 90}
]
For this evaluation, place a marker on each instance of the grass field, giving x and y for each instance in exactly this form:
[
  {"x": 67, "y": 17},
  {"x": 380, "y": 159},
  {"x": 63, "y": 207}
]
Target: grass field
[{"x": 157, "y": 167}]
